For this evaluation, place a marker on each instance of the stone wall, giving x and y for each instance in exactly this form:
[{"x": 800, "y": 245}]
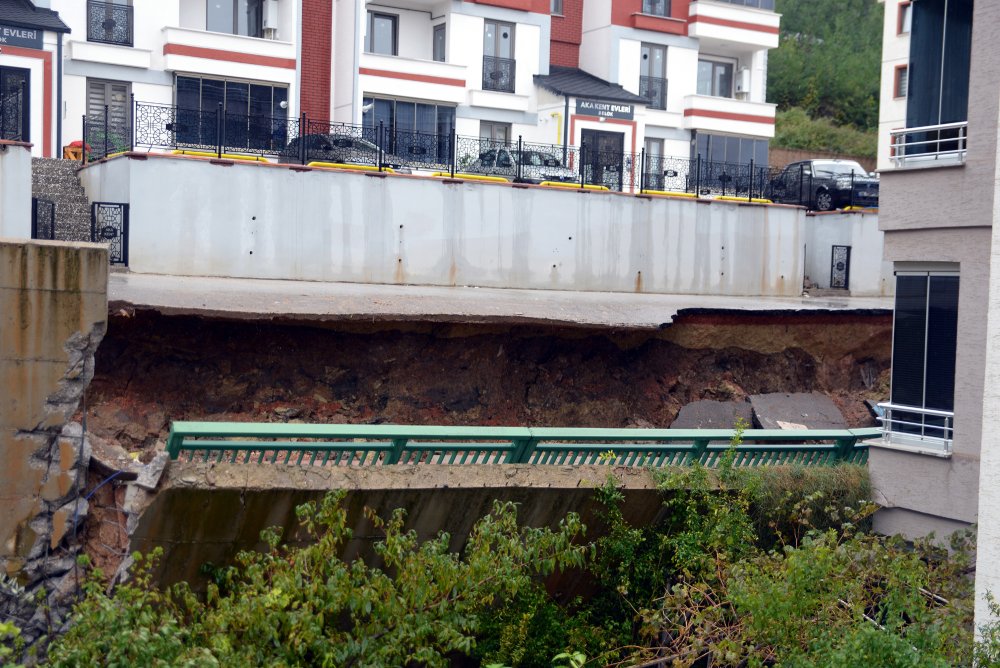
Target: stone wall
[{"x": 53, "y": 315}]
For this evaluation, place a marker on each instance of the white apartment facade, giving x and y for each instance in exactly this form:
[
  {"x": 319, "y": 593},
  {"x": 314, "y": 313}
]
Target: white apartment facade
[{"x": 898, "y": 20}]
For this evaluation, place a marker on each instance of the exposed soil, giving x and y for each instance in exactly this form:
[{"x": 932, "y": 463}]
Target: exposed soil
[{"x": 152, "y": 369}]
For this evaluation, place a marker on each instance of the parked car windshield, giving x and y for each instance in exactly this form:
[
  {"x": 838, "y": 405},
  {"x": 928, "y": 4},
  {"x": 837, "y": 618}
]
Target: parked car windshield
[
  {"x": 536, "y": 159},
  {"x": 838, "y": 169}
]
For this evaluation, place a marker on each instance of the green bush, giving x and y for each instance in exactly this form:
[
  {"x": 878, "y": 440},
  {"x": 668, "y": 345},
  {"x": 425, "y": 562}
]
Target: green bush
[{"x": 795, "y": 129}]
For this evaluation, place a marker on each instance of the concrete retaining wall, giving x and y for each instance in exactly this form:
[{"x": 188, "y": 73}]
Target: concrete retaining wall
[
  {"x": 199, "y": 217},
  {"x": 870, "y": 274},
  {"x": 53, "y": 314},
  {"x": 15, "y": 190}
]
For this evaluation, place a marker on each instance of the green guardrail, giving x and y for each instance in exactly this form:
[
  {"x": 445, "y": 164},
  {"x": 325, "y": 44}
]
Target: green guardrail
[{"x": 384, "y": 445}]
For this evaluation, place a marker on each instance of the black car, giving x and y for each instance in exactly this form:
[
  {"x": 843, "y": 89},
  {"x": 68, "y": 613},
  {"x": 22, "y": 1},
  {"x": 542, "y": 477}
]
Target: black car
[
  {"x": 825, "y": 185},
  {"x": 338, "y": 148}
]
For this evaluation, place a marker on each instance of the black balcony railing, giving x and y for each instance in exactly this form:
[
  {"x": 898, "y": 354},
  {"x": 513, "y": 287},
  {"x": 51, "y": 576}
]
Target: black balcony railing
[
  {"x": 654, "y": 89},
  {"x": 304, "y": 140},
  {"x": 109, "y": 23},
  {"x": 498, "y": 74},
  {"x": 12, "y": 115}
]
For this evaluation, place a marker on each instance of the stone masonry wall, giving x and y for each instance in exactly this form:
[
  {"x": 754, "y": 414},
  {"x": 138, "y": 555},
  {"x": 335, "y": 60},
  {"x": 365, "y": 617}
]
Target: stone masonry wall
[{"x": 53, "y": 315}]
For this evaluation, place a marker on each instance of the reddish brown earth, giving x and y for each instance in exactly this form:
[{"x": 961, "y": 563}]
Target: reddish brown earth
[{"x": 152, "y": 369}]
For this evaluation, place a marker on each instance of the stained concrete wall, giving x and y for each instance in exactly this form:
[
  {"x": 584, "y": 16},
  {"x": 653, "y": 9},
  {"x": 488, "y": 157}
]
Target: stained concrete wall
[
  {"x": 207, "y": 512},
  {"x": 870, "y": 274},
  {"x": 53, "y": 313},
  {"x": 15, "y": 190},
  {"x": 199, "y": 217}
]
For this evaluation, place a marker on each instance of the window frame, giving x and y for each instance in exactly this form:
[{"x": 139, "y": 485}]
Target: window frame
[
  {"x": 234, "y": 26},
  {"x": 666, "y": 8},
  {"x": 901, "y": 76},
  {"x": 370, "y": 33},
  {"x": 493, "y": 127},
  {"x": 441, "y": 28},
  {"x": 732, "y": 63},
  {"x": 904, "y": 17},
  {"x": 557, "y": 7}
]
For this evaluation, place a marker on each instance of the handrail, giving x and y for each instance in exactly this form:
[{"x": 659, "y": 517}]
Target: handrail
[
  {"x": 905, "y": 147},
  {"x": 937, "y": 433},
  {"x": 382, "y": 445}
]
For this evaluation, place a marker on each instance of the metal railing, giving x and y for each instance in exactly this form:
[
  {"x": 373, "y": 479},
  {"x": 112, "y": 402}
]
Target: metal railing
[
  {"x": 12, "y": 115},
  {"x": 105, "y": 134},
  {"x": 654, "y": 89},
  {"x": 498, "y": 74},
  {"x": 757, "y": 4},
  {"x": 917, "y": 427},
  {"x": 385, "y": 445},
  {"x": 936, "y": 144},
  {"x": 109, "y": 23}
]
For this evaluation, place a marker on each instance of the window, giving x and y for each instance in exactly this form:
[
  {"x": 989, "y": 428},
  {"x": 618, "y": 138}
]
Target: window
[
  {"x": 255, "y": 114},
  {"x": 498, "y": 56},
  {"x": 729, "y": 149},
  {"x": 238, "y": 17},
  {"x": 899, "y": 86},
  {"x": 416, "y": 131},
  {"x": 109, "y": 21},
  {"x": 439, "y": 43},
  {"x": 656, "y": 7},
  {"x": 115, "y": 96},
  {"x": 654, "y": 167},
  {"x": 556, "y": 7},
  {"x": 715, "y": 78},
  {"x": 381, "y": 35},
  {"x": 653, "y": 75},
  {"x": 497, "y": 132},
  {"x": 905, "y": 18},
  {"x": 924, "y": 335}
]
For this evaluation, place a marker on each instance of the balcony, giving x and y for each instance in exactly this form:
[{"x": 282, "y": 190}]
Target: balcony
[
  {"x": 728, "y": 115},
  {"x": 498, "y": 74},
  {"x": 109, "y": 23},
  {"x": 942, "y": 145},
  {"x": 397, "y": 76},
  {"x": 921, "y": 429},
  {"x": 213, "y": 53},
  {"x": 719, "y": 24},
  {"x": 654, "y": 89}
]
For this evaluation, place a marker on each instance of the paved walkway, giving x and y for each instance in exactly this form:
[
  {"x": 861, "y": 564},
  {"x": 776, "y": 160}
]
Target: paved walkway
[{"x": 301, "y": 300}]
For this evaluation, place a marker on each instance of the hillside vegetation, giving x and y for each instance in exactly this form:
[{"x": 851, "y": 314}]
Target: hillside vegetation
[{"x": 824, "y": 76}]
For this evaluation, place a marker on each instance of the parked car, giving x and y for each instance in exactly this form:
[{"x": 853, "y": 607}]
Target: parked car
[
  {"x": 536, "y": 166},
  {"x": 340, "y": 149},
  {"x": 825, "y": 185}
]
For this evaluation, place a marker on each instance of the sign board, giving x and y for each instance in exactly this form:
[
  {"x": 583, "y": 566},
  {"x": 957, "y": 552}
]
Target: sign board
[
  {"x": 605, "y": 109},
  {"x": 30, "y": 38}
]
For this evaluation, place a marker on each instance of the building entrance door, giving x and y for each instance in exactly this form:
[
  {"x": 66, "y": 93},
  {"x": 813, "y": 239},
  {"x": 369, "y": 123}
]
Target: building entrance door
[
  {"x": 602, "y": 156},
  {"x": 15, "y": 104}
]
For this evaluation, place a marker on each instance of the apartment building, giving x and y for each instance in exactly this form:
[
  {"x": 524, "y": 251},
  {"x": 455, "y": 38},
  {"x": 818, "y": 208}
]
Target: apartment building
[
  {"x": 938, "y": 201},
  {"x": 895, "y": 74}
]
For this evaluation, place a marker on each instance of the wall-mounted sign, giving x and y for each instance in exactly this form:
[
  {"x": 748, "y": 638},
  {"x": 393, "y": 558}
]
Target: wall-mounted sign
[
  {"x": 16, "y": 36},
  {"x": 605, "y": 109}
]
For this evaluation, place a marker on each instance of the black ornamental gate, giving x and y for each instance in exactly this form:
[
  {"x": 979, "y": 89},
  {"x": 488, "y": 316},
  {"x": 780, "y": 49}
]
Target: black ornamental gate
[
  {"x": 109, "y": 225},
  {"x": 840, "y": 267},
  {"x": 43, "y": 218}
]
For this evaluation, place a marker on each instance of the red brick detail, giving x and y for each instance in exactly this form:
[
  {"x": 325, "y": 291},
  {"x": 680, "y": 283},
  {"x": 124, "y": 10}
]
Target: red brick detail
[
  {"x": 317, "y": 31},
  {"x": 659, "y": 24},
  {"x": 729, "y": 116},
  {"x": 622, "y": 12},
  {"x": 228, "y": 56},
  {"x": 406, "y": 76},
  {"x": 535, "y": 6},
  {"x": 567, "y": 33},
  {"x": 742, "y": 25}
]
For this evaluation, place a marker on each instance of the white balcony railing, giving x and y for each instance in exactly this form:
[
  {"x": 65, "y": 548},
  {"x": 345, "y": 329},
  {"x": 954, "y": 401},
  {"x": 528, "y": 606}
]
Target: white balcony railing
[
  {"x": 917, "y": 427},
  {"x": 929, "y": 146}
]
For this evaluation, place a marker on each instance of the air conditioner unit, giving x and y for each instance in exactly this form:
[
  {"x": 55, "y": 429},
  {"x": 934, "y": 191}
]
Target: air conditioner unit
[
  {"x": 743, "y": 80},
  {"x": 271, "y": 19}
]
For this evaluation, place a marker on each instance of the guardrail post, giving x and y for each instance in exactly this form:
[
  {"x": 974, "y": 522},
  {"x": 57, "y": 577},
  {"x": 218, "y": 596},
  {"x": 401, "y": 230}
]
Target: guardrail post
[
  {"x": 802, "y": 181},
  {"x": 379, "y": 149},
  {"x": 845, "y": 448},
  {"x": 398, "y": 445},
  {"x": 520, "y": 160},
  {"x": 698, "y": 451},
  {"x": 852, "y": 188},
  {"x": 303, "y": 131},
  {"x": 750, "y": 187},
  {"x": 521, "y": 451},
  {"x": 218, "y": 130},
  {"x": 454, "y": 150},
  {"x": 583, "y": 155},
  {"x": 174, "y": 444},
  {"x": 697, "y": 177},
  {"x": 131, "y": 122}
]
